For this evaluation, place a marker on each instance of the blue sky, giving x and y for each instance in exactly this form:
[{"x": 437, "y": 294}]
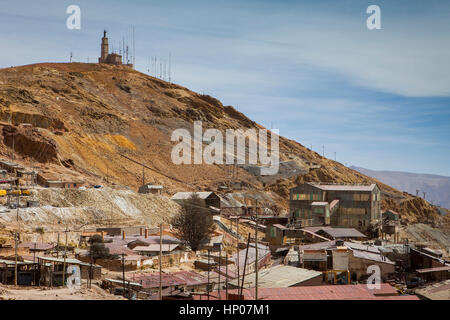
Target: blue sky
[{"x": 380, "y": 99}]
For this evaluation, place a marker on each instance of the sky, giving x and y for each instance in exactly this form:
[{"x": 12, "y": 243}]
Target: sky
[{"x": 378, "y": 99}]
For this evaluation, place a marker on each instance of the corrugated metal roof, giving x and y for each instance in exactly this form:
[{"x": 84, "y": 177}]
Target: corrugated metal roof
[
  {"x": 279, "y": 226},
  {"x": 187, "y": 195},
  {"x": 319, "y": 203},
  {"x": 150, "y": 239},
  {"x": 319, "y": 245},
  {"x": 437, "y": 291},
  {"x": 151, "y": 279},
  {"x": 435, "y": 269},
  {"x": 343, "y": 233},
  {"x": 362, "y": 247},
  {"x": 126, "y": 282},
  {"x": 280, "y": 276},
  {"x": 328, "y": 292},
  {"x": 314, "y": 255},
  {"x": 371, "y": 256},
  {"x": 337, "y": 187},
  {"x": 61, "y": 260},
  {"x": 263, "y": 251},
  {"x": 156, "y": 248},
  {"x": 12, "y": 262},
  {"x": 150, "y": 186},
  {"x": 334, "y": 203},
  {"x": 37, "y": 245}
]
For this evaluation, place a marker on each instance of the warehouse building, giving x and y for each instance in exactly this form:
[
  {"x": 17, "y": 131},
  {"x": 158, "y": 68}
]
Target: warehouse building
[{"x": 354, "y": 206}]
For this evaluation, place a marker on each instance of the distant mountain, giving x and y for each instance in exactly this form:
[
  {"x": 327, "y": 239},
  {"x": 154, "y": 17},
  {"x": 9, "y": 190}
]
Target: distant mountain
[{"x": 437, "y": 188}]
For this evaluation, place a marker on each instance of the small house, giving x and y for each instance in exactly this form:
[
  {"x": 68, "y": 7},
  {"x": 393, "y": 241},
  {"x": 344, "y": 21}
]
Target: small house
[
  {"x": 149, "y": 188},
  {"x": 209, "y": 199}
]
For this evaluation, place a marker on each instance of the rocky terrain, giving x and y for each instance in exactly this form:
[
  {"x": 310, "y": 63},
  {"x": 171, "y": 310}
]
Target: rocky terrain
[{"x": 84, "y": 117}]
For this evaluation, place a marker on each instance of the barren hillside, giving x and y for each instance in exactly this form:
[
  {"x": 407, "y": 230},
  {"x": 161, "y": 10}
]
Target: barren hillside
[{"x": 85, "y": 116}]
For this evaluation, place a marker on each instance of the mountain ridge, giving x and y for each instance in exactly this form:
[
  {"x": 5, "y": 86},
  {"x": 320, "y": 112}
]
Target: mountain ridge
[
  {"x": 437, "y": 187},
  {"x": 85, "y": 116}
]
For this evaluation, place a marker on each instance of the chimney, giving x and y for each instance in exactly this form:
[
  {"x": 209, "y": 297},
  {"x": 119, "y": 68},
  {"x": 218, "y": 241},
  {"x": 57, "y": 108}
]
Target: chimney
[
  {"x": 141, "y": 231},
  {"x": 123, "y": 235},
  {"x": 146, "y": 233}
]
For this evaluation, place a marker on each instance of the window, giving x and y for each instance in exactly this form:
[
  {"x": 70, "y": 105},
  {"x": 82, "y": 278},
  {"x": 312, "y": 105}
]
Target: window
[
  {"x": 273, "y": 232},
  {"x": 361, "y": 197},
  {"x": 318, "y": 210}
]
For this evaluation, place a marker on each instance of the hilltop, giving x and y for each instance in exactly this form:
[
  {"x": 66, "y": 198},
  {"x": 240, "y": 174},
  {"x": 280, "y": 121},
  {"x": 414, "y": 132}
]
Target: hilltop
[{"x": 85, "y": 116}]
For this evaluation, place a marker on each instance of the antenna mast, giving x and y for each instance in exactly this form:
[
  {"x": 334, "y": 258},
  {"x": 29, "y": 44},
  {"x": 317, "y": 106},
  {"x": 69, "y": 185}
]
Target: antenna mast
[
  {"x": 134, "y": 50},
  {"x": 170, "y": 67}
]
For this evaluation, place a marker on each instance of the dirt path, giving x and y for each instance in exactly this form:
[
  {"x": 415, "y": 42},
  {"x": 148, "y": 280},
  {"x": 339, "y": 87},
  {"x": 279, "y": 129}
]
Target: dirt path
[{"x": 15, "y": 293}]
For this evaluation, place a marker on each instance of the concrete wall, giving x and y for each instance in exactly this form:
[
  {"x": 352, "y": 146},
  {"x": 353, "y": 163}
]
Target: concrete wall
[{"x": 359, "y": 267}]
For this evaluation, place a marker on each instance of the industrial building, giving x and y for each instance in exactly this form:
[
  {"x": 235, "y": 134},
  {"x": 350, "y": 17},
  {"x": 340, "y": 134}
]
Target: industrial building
[{"x": 354, "y": 206}]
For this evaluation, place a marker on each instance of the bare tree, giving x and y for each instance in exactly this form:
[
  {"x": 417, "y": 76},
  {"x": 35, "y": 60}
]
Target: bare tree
[{"x": 194, "y": 223}]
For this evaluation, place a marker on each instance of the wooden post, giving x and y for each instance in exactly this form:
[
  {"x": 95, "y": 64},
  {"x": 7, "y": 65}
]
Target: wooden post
[
  {"x": 220, "y": 257},
  {"x": 65, "y": 255},
  {"x": 160, "y": 260},
  {"x": 256, "y": 251},
  {"x": 207, "y": 288},
  {"x": 123, "y": 273},
  {"x": 245, "y": 265},
  {"x": 16, "y": 236},
  {"x": 57, "y": 247},
  {"x": 34, "y": 265},
  {"x": 16, "y": 242},
  {"x": 237, "y": 250},
  {"x": 226, "y": 276}
]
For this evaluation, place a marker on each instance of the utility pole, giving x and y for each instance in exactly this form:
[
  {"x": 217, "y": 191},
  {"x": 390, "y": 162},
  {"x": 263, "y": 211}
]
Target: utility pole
[
  {"x": 207, "y": 288},
  {"x": 160, "y": 260},
  {"x": 13, "y": 150},
  {"x": 237, "y": 249},
  {"x": 335, "y": 156},
  {"x": 323, "y": 151},
  {"x": 134, "y": 50},
  {"x": 245, "y": 265},
  {"x": 65, "y": 255},
  {"x": 34, "y": 267},
  {"x": 57, "y": 247},
  {"x": 220, "y": 257},
  {"x": 123, "y": 273},
  {"x": 170, "y": 67},
  {"x": 256, "y": 251},
  {"x": 226, "y": 276},
  {"x": 16, "y": 242}
]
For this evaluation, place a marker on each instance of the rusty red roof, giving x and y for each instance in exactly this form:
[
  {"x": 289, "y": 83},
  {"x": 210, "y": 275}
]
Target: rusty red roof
[
  {"x": 151, "y": 279},
  {"x": 330, "y": 292},
  {"x": 40, "y": 246},
  {"x": 435, "y": 269}
]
